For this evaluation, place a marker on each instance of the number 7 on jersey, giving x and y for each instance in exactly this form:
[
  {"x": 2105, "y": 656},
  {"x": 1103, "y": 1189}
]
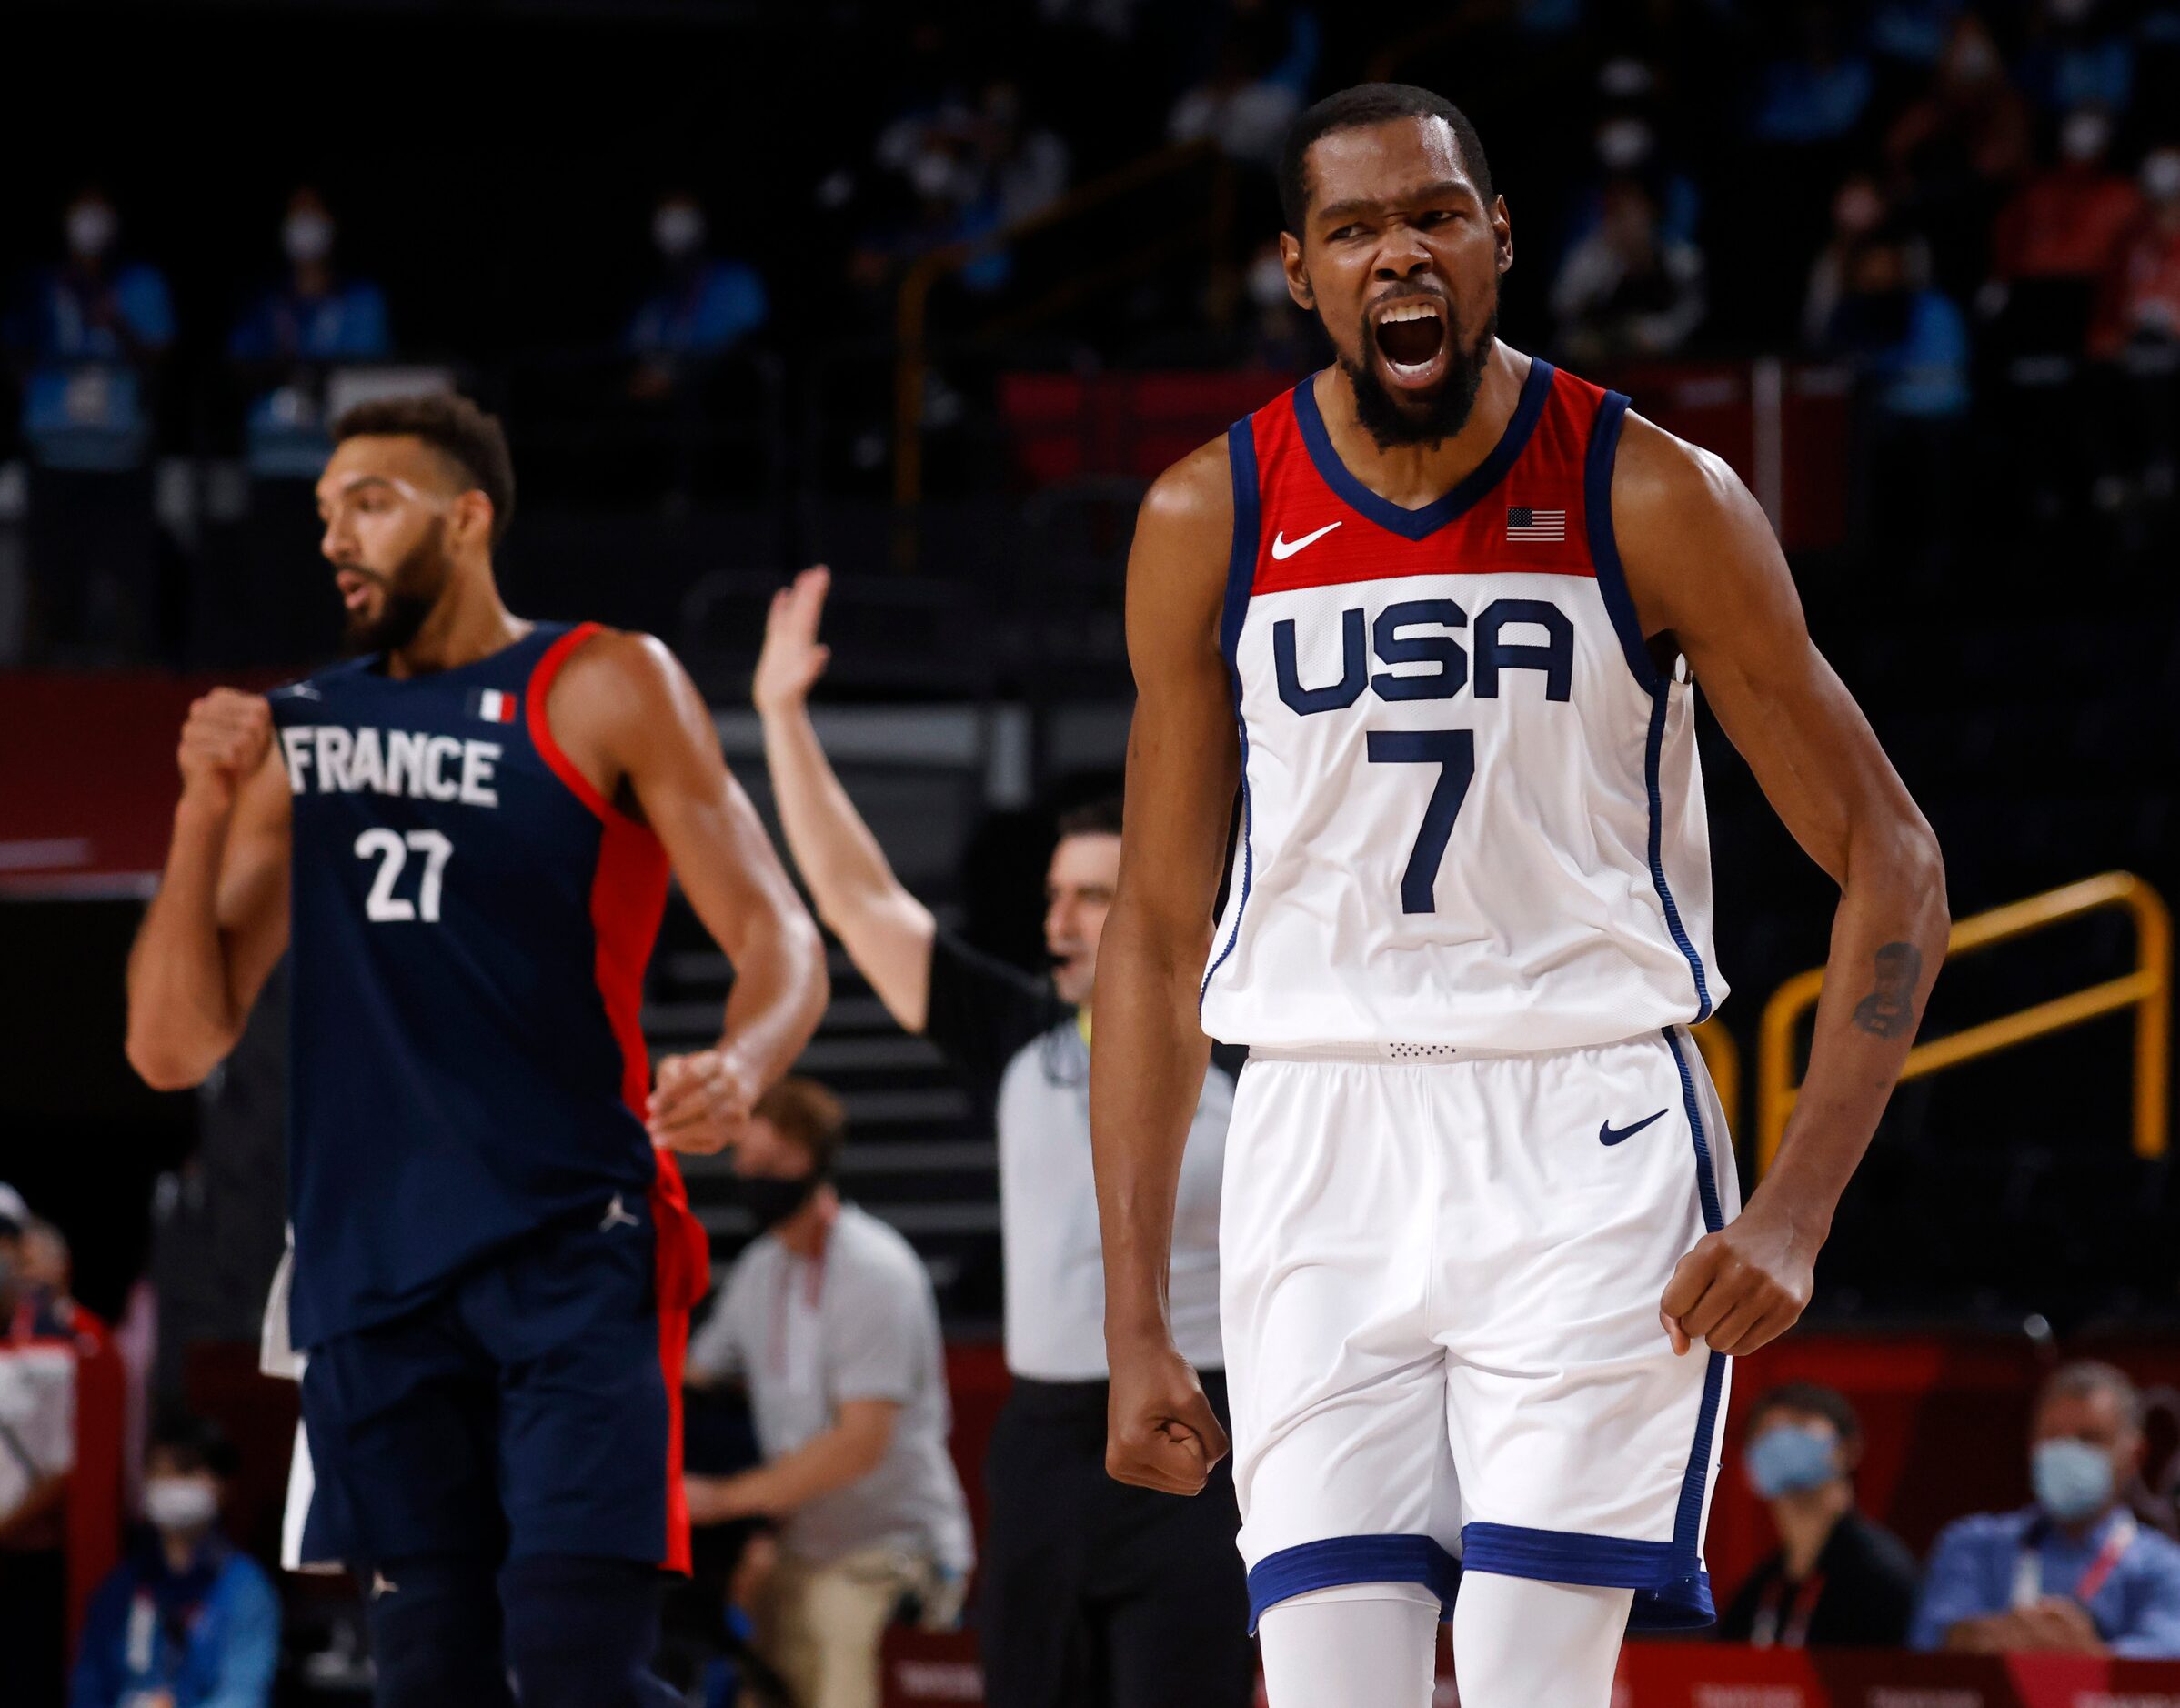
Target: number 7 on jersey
[{"x": 1454, "y": 752}]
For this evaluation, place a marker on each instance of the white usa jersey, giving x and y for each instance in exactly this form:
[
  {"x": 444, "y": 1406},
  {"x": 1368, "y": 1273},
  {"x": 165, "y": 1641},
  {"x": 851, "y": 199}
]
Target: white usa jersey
[{"x": 1472, "y": 813}]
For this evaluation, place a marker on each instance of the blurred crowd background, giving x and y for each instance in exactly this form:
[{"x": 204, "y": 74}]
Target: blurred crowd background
[{"x": 929, "y": 292}]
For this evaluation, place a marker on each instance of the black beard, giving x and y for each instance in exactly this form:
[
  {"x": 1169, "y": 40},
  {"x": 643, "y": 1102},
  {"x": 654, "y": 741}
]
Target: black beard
[
  {"x": 403, "y": 610},
  {"x": 1390, "y": 423}
]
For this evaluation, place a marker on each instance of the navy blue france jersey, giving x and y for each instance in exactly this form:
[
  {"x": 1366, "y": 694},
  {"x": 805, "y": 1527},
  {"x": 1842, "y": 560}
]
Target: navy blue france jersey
[{"x": 471, "y": 921}]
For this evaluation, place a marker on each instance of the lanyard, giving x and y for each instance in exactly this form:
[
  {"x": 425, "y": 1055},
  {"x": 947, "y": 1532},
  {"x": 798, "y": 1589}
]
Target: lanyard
[
  {"x": 1768, "y": 1630},
  {"x": 811, "y": 1272},
  {"x": 2028, "y": 1570}
]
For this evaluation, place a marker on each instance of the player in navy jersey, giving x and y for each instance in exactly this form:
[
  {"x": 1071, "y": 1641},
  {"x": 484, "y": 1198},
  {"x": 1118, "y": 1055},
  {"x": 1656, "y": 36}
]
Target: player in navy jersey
[
  {"x": 463, "y": 838},
  {"x": 1484, "y": 1263}
]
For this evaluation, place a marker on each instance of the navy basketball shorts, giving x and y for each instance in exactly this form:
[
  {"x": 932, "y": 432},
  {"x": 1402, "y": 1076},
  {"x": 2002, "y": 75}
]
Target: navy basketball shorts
[
  {"x": 531, "y": 1408},
  {"x": 1440, "y": 1282}
]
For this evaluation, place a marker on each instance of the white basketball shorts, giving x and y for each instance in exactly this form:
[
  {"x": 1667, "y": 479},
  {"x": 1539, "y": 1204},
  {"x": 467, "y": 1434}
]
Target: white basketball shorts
[{"x": 1439, "y": 1290}]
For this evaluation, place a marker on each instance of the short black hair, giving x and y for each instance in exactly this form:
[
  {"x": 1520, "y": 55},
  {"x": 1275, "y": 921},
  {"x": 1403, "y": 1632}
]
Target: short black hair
[
  {"x": 469, "y": 438},
  {"x": 1813, "y": 1398},
  {"x": 1101, "y": 817},
  {"x": 194, "y": 1443},
  {"x": 1355, "y": 108}
]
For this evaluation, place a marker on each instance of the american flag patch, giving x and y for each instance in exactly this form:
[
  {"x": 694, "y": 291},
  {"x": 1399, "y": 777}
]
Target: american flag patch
[
  {"x": 493, "y": 705},
  {"x": 1525, "y": 524}
]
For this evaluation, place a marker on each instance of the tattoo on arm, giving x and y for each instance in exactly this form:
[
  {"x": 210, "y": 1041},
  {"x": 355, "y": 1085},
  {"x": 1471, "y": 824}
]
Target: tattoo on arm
[{"x": 1889, "y": 1009}]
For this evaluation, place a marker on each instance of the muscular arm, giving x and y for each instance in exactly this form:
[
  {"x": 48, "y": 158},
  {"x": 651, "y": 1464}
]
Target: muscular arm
[
  {"x": 219, "y": 922},
  {"x": 1147, "y": 1071},
  {"x": 832, "y": 1459},
  {"x": 627, "y": 699},
  {"x": 1703, "y": 567},
  {"x": 888, "y": 933}
]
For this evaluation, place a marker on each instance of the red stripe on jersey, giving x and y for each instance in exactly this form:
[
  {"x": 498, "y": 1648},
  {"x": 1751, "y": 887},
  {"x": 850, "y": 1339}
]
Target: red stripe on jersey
[
  {"x": 1300, "y": 500},
  {"x": 627, "y": 900}
]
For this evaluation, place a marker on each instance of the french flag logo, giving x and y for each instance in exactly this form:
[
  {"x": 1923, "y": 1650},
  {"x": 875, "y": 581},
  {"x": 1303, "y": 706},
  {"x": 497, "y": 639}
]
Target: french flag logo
[{"x": 493, "y": 705}]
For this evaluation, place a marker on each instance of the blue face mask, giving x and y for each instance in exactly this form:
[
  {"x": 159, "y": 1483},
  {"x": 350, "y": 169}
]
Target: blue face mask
[
  {"x": 2072, "y": 1478},
  {"x": 1789, "y": 1459}
]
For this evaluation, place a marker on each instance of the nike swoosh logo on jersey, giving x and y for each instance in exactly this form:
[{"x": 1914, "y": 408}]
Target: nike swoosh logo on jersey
[
  {"x": 1282, "y": 548},
  {"x": 1608, "y": 1134}
]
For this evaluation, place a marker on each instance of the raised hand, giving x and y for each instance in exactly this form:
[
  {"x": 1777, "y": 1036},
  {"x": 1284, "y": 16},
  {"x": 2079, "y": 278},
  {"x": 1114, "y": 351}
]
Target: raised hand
[
  {"x": 792, "y": 660},
  {"x": 223, "y": 741}
]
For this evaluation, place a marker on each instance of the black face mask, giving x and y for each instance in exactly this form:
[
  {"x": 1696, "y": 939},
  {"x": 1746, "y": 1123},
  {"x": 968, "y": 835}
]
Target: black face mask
[{"x": 771, "y": 1200}]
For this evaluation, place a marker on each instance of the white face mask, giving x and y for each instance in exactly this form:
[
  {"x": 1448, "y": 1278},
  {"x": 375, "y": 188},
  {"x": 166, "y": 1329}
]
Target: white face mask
[
  {"x": 1624, "y": 143},
  {"x": 2083, "y": 137},
  {"x": 677, "y": 229},
  {"x": 91, "y": 229},
  {"x": 307, "y": 235},
  {"x": 183, "y": 1503},
  {"x": 1268, "y": 282},
  {"x": 2160, "y": 175}
]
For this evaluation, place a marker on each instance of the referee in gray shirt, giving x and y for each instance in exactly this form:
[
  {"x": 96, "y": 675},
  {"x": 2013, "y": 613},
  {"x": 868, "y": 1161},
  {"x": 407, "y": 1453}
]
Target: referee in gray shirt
[{"x": 1093, "y": 1594}]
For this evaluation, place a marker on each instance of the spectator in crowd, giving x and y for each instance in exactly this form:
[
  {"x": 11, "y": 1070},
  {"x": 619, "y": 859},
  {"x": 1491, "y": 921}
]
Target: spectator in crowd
[
  {"x": 186, "y": 1620},
  {"x": 1626, "y": 146},
  {"x": 1858, "y": 209},
  {"x": 1818, "y": 94},
  {"x": 829, "y": 1319},
  {"x": 2075, "y": 1572},
  {"x": 2079, "y": 54},
  {"x": 2140, "y": 298},
  {"x": 88, "y": 334},
  {"x": 1835, "y": 1579},
  {"x": 1083, "y": 1575},
  {"x": 31, "y": 1306},
  {"x": 1028, "y": 164},
  {"x": 1628, "y": 290},
  {"x": 1262, "y": 62},
  {"x": 702, "y": 307},
  {"x": 37, "y": 1380},
  {"x": 1954, "y": 153},
  {"x": 314, "y": 317},
  {"x": 1906, "y": 339},
  {"x": 89, "y": 337},
  {"x": 1278, "y": 335},
  {"x": 2066, "y": 221}
]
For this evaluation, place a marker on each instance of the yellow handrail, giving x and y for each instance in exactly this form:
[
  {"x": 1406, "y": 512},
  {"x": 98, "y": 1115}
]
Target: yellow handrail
[
  {"x": 911, "y": 305},
  {"x": 2147, "y": 990}
]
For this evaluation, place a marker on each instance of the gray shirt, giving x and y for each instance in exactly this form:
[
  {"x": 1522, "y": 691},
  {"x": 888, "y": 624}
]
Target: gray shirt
[{"x": 859, "y": 1323}]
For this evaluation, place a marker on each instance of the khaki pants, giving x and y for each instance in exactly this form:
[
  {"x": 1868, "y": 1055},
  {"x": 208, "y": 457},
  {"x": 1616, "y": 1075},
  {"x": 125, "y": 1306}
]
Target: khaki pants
[{"x": 821, "y": 1625}]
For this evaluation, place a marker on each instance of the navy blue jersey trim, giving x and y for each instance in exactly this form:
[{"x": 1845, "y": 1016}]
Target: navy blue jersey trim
[
  {"x": 1420, "y": 524},
  {"x": 1688, "y": 1518},
  {"x": 1652, "y": 746},
  {"x": 1604, "y": 546},
  {"x": 1666, "y": 1598},
  {"x": 1240, "y": 576},
  {"x": 1338, "y": 1560}
]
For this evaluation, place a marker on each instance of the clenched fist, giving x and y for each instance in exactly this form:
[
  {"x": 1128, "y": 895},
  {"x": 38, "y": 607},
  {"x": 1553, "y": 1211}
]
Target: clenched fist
[
  {"x": 1161, "y": 1432},
  {"x": 224, "y": 740},
  {"x": 700, "y": 1102}
]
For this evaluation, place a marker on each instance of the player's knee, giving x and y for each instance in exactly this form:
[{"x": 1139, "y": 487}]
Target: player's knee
[
  {"x": 580, "y": 1631},
  {"x": 435, "y": 1634}
]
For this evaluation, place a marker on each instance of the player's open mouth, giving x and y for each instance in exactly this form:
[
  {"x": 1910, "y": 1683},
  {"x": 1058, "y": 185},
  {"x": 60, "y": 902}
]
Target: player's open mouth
[{"x": 1410, "y": 336}]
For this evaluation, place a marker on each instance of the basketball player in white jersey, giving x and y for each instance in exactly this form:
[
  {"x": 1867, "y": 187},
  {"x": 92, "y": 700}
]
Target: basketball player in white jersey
[{"x": 1484, "y": 1259}]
